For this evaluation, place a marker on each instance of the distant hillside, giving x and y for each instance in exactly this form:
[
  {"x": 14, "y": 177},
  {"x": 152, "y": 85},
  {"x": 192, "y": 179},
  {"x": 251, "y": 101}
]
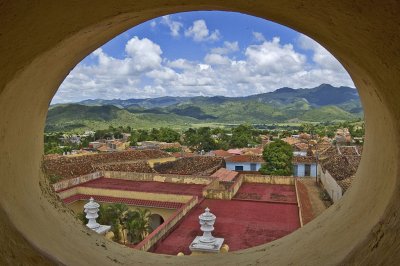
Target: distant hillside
[{"x": 323, "y": 103}]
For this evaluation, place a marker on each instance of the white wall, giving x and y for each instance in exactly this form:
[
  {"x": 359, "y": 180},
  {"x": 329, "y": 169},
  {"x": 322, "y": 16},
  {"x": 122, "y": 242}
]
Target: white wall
[
  {"x": 246, "y": 166},
  {"x": 301, "y": 169},
  {"x": 330, "y": 185},
  {"x": 314, "y": 170}
]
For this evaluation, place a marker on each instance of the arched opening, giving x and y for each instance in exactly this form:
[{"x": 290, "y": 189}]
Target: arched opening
[
  {"x": 372, "y": 64},
  {"x": 230, "y": 118},
  {"x": 156, "y": 220}
]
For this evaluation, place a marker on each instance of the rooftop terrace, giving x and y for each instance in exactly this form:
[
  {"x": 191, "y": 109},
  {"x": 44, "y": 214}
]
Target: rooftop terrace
[
  {"x": 243, "y": 224},
  {"x": 145, "y": 186}
]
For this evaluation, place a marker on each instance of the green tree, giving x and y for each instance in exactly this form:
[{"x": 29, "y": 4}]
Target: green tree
[
  {"x": 143, "y": 135},
  {"x": 138, "y": 225},
  {"x": 114, "y": 215},
  {"x": 242, "y": 136},
  {"x": 278, "y": 157},
  {"x": 133, "y": 139},
  {"x": 155, "y": 134},
  {"x": 199, "y": 139}
]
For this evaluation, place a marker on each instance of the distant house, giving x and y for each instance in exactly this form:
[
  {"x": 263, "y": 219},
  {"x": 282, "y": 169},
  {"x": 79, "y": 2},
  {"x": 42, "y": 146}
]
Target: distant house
[
  {"x": 220, "y": 153},
  {"x": 244, "y": 163},
  {"x": 304, "y": 166},
  {"x": 252, "y": 151},
  {"x": 343, "y": 136},
  {"x": 95, "y": 144},
  {"x": 109, "y": 146},
  {"x": 235, "y": 151},
  {"x": 291, "y": 140}
]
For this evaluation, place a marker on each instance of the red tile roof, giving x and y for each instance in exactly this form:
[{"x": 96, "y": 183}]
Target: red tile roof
[
  {"x": 235, "y": 151},
  {"x": 255, "y": 151},
  {"x": 301, "y": 146},
  {"x": 135, "y": 202},
  {"x": 221, "y": 153},
  {"x": 244, "y": 159},
  {"x": 304, "y": 159},
  {"x": 225, "y": 175}
]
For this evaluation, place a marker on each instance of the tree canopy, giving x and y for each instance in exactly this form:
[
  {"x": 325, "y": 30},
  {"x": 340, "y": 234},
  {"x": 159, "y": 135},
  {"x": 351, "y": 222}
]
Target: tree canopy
[{"x": 278, "y": 157}]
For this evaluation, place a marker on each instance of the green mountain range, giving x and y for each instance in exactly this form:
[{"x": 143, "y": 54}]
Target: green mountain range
[{"x": 319, "y": 104}]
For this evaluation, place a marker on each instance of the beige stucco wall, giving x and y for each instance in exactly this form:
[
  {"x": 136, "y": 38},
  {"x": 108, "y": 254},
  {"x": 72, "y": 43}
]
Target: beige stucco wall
[
  {"x": 41, "y": 41},
  {"x": 330, "y": 185},
  {"x": 169, "y": 178},
  {"x": 77, "y": 207},
  {"x": 267, "y": 179}
]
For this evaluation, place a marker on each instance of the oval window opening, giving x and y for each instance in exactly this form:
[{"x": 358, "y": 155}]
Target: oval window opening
[{"x": 203, "y": 132}]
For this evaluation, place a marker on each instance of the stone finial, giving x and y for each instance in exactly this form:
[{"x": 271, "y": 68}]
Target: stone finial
[
  {"x": 207, "y": 242},
  {"x": 207, "y": 220},
  {"x": 91, "y": 210}
]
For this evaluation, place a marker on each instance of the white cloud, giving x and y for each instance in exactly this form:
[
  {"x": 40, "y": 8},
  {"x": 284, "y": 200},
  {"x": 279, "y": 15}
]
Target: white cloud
[
  {"x": 264, "y": 66},
  {"x": 272, "y": 57},
  {"x": 144, "y": 54},
  {"x": 216, "y": 59},
  {"x": 174, "y": 26},
  {"x": 199, "y": 32},
  {"x": 321, "y": 56},
  {"x": 153, "y": 24},
  {"x": 229, "y": 47},
  {"x": 180, "y": 64},
  {"x": 258, "y": 36}
]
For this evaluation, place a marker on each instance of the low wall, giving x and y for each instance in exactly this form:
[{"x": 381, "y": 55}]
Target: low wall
[
  {"x": 124, "y": 194},
  {"x": 76, "y": 181},
  {"x": 330, "y": 185},
  {"x": 298, "y": 204},
  {"x": 168, "y": 178},
  {"x": 213, "y": 192},
  {"x": 163, "y": 230},
  {"x": 267, "y": 179}
]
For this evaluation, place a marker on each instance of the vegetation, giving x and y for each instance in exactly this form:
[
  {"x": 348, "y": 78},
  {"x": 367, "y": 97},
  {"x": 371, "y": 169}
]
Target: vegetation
[
  {"x": 200, "y": 139},
  {"x": 138, "y": 225},
  {"x": 321, "y": 104},
  {"x": 244, "y": 136},
  {"x": 278, "y": 157},
  {"x": 135, "y": 224},
  {"x": 208, "y": 138}
]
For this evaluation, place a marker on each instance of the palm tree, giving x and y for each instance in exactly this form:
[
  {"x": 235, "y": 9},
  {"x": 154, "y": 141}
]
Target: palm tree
[
  {"x": 114, "y": 215},
  {"x": 138, "y": 225}
]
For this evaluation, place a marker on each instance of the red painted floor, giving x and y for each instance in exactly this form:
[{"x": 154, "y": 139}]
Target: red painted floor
[
  {"x": 243, "y": 224},
  {"x": 267, "y": 192},
  {"x": 134, "y": 202},
  {"x": 145, "y": 186}
]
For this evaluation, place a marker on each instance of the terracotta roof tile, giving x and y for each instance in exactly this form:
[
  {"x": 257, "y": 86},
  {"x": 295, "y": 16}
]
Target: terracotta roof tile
[
  {"x": 244, "y": 159},
  {"x": 304, "y": 159},
  {"x": 221, "y": 153},
  {"x": 225, "y": 175}
]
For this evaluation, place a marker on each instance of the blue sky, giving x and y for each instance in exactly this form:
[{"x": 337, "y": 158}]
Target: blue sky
[{"x": 201, "y": 53}]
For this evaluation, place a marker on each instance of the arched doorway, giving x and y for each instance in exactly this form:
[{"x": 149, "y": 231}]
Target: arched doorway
[{"x": 155, "y": 221}]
